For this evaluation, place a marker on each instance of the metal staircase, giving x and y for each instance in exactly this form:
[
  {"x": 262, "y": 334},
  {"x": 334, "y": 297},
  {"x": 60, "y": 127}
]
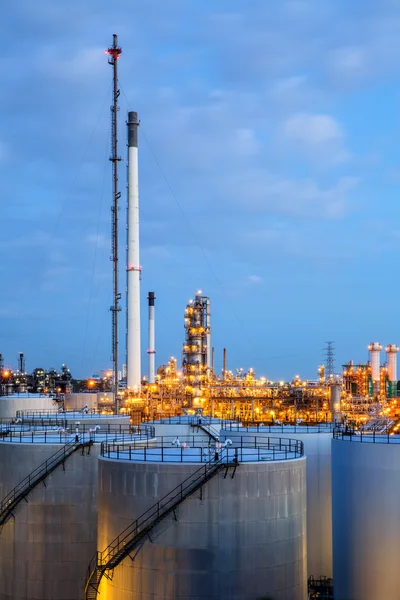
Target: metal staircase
[
  {"x": 136, "y": 534},
  {"x": 206, "y": 427},
  {"x": 22, "y": 489}
]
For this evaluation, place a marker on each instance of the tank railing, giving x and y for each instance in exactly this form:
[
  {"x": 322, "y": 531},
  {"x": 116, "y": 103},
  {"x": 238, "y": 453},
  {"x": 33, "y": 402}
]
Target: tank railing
[
  {"x": 131, "y": 537},
  {"x": 372, "y": 437},
  {"x": 50, "y": 436},
  {"x": 282, "y": 428},
  {"x": 49, "y": 414},
  {"x": 160, "y": 450},
  {"x": 25, "y": 485},
  {"x": 320, "y": 588},
  {"x": 183, "y": 420}
]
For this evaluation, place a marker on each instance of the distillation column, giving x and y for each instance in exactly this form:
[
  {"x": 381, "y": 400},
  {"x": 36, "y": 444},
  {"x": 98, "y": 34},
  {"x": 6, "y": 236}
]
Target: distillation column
[
  {"x": 197, "y": 348},
  {"x": 208, "y": 337},
  {"x": 152, "y": 344},
  {"x": 392, "y": 351},
  {"x": 133, "y": 264},
  {"x": 375, "y": 351}
]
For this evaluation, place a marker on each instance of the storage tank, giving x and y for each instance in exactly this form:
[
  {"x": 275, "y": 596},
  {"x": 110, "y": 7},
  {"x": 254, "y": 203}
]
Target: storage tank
[
  {"x": 317, "y": 449},
  {"x": 366, "y": 516},
  {"x": 9, "y": 405},
  {"x": 186, "y": 425},
  {"x": 241, "y": 536},
  {"x": 46, "y": 543},
  {"x": 44, "y": 548}
]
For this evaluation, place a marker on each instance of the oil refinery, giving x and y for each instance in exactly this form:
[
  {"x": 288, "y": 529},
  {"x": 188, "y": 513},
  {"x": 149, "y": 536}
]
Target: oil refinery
[{"x": 187, "y": 483}]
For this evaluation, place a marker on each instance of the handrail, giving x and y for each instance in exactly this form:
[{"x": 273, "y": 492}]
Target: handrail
[
  {"x": 38, "y": 474},
  {"x": 120, "y": 546},
  {"x": 277, "y": 428},
  {"x": 21, "y": 435},
  {"x": 248, "y": 448},
  {"x": 50, "y": 414},
  {"x": 371, "y": 437}
]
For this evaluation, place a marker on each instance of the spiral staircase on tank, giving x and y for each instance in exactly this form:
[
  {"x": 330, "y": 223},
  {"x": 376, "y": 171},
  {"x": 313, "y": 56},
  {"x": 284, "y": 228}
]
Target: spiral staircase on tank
[
  {"x": 22, "y": 489},
  {"x": 135, "y": 535}
]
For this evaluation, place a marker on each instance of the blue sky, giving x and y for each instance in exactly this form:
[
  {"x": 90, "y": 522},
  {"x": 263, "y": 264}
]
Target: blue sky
[{"x": 269, "y": 176}]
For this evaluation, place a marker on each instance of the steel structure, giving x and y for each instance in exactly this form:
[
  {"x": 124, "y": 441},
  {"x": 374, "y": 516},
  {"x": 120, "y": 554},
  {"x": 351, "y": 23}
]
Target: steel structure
[
  {"x": 197, "y": 348},
  {"x": 330, "y": 360},
  {"x": 114, "y": 52}
]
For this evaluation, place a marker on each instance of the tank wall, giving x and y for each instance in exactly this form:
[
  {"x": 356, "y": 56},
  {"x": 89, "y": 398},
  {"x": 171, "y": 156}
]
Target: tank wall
[
  {"x": 317, "y": 449},
  {"x": 77, "y": 401},
  {"x": 93, "y": 420},
  {"x": 182, "y": 430},
  {"x": 366, "y": 524},
  {"x": 45, "y": 550},
  {"x": 10, "y": 404},
  {"x": 241, "y": 538}
]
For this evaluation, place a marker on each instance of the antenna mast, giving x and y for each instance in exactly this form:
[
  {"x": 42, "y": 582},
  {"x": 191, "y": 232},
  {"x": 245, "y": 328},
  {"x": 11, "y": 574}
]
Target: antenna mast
[{"x": 114, "y": 53}]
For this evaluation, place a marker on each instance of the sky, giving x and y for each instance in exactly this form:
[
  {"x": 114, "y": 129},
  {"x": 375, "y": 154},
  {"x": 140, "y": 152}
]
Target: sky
[{"x": 269, "y": 177}]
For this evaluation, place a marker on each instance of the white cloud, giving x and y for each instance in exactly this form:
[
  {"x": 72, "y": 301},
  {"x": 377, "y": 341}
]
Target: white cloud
[
  {"x": 312, "y": 129},
  {"x": 320, "y": 135},
  {"x": 254, "y": 279},
  {"x": 257, "y": 191},
  {"x": 349, "y": 61}
]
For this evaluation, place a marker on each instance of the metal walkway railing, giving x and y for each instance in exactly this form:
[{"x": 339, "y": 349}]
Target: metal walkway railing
[
  {"x": 136, "y": 533},
  {"x": 22, "y": 489},
  {"x": 203, "y": 424}
]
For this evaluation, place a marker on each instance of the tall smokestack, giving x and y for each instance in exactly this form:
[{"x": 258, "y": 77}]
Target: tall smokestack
[
  {"x": 224, "y": 366},
  {"x": 152, "y": 345},
  {"x": 392, "y": 350},
  {"x": 133, "y": 264},
  {"x": 375, "y": 352}
]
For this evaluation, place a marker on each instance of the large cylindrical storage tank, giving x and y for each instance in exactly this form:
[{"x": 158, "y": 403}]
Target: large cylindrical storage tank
[
  {"x": 45, "y": 547},
  {"x": 48, "y": 540},
  {"x": 10, "y": 405},
  {"x": 76, "y": 401},
  {"x": 317, "y": 449},
  {"x": 240, "y": 537},
  {"x": 366, "y": 517}
]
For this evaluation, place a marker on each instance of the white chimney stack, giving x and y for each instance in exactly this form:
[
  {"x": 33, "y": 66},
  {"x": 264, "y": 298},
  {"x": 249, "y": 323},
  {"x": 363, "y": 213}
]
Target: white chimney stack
[
  {"x": 392, "y": 351},
  {"x": 375, "y": 352},
  {"x": 133, "y": 267},
  {"x": 152, "y": 344}
]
